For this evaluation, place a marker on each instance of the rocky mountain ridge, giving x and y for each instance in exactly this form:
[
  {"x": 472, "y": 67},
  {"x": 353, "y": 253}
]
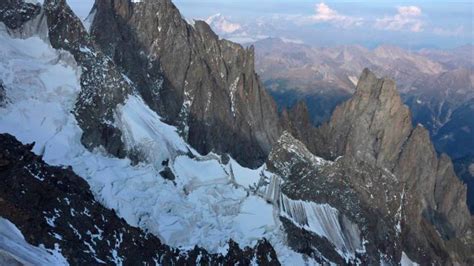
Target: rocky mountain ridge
[
  {"x": 207, "y": 87},
  {"x": 436, "y": 85},
  {"x": 374, "y": 128},
  {"x": 374, "y": 204}
]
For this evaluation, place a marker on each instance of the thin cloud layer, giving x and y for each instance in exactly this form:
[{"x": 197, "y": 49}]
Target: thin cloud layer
[{"x": 408, "y": 18}]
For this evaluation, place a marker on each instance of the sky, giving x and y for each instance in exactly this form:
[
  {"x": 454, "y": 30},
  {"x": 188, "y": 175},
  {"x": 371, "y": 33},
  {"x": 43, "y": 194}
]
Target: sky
[{"x": 410, "y": 24}]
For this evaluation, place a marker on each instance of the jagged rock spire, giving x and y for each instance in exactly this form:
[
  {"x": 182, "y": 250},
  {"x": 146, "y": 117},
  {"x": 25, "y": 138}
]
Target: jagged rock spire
[
  {"x": 372, "y": 125},
  {"x": 375, "y": 127},
  {"x": 206, "y": 86}
]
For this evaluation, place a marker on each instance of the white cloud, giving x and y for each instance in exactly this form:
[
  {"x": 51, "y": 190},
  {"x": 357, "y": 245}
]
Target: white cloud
[
  {"x": 409, "y": 11},
  {"x": 407, "y": 18},
  {"x": 325, "y": 14}
]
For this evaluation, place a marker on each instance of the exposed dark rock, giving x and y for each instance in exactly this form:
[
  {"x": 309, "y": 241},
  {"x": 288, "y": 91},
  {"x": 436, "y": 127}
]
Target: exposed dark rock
[
  {"x": 2, "y": 94},
  {"x": 312, "y": 245},
  {"x": 367, "y": 196},
  {"x": 320, "y": 104},
  {"x": 52, "y": 205},
  {"x": 205, "y": 86},
  {"x": 103, "y": 87},
  {"x": 464, "y": 167},
  {"x": 14, "y": 13},
  {"x": 167, "y": 174},
  {"x": 297, "y": 121}
]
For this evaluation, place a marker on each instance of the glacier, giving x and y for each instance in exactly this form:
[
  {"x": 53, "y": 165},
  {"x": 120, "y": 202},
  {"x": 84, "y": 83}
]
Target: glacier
[
  {"x": 209, "y": 201},
  {"x": 204, "y": 207}
]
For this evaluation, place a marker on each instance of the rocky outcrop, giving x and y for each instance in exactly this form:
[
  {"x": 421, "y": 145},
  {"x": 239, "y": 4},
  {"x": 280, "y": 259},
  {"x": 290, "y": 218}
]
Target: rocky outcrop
[
  {"x": 103, "y": 86},
  {"x": 297, "y": 121},
  {"x": 14, "y": 13},
  {"x": 367, "y": 198},
  {"x": 205, "y": 86},
  {"x": 374, "y": 127},
  {"x": 2, "y": 94},
  {"x": 54, "y": 207}
]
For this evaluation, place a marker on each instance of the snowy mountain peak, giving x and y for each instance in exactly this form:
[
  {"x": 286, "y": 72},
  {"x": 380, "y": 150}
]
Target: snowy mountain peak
[{"x": 222, "y": 24}]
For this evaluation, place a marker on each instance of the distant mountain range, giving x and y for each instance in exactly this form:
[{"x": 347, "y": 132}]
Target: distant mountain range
[{"x": 437, "y": 85}]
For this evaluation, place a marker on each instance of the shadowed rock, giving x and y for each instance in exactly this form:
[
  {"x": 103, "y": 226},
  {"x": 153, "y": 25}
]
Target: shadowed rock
[
  {"x": 14, "y": 13},
  {"x": 206, "y": 86},
  {"x": 2, "y": 94}
]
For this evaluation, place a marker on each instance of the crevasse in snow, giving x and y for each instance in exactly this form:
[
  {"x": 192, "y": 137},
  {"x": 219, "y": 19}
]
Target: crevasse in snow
[{"x": 208, "y": 205}]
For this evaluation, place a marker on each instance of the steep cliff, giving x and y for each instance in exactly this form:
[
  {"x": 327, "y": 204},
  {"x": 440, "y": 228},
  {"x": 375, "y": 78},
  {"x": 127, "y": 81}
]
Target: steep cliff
[
  {"x": 374, "y": 129},
  {"x": 206, "y": 86},
  {"x": 2, "y": 94}
]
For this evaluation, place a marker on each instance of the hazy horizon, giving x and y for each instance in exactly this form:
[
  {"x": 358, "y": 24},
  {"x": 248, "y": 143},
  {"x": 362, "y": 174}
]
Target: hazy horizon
[
  {"x": 370, "y": 23},
  {"x": 408, "y": 24}
]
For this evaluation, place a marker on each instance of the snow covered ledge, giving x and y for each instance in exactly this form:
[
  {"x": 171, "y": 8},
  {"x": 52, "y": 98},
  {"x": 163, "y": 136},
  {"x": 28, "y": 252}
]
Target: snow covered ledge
[{"x": 14, "y": 250}]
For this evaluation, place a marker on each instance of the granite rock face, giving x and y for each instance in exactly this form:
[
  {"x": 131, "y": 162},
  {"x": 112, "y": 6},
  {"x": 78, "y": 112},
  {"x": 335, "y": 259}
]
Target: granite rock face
[
  {"x": 103, "y": 86},
  {"x": 14, "y": 13},
  {"x": 381, "y": 181},
  {"x": 2, "y": 94},
  {"x": 297, "y": 121},
  {"x": 53, "y": 206},
  {"x": 206, "y": 86},
  {"x": 367, "y": 198},
  {"x": 375, "y": 127}
]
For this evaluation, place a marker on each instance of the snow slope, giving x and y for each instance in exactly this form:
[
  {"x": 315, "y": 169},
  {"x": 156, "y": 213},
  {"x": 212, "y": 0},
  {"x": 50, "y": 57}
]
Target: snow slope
[
  {"x": 205, "y": 207},
  {"x": 14, "y": 249},
  {"x": 406, "y": 261}
]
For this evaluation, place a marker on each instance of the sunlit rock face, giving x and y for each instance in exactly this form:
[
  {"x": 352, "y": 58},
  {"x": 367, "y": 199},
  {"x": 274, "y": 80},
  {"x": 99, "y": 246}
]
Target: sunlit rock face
[{"x": 373, "y": 133}]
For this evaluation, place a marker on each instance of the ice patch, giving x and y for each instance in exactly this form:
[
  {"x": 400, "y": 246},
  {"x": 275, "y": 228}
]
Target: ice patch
[
  {"x": 248, "y": 178},
  {"x": 14, "y": 248},
  {"x": 323, "y": 220},
  {"x": 232, "y": 92},
  {"x": 205, "y": 207},
  {"x": 406, "y": 261},
  {"x": 144, "y": 132}
]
